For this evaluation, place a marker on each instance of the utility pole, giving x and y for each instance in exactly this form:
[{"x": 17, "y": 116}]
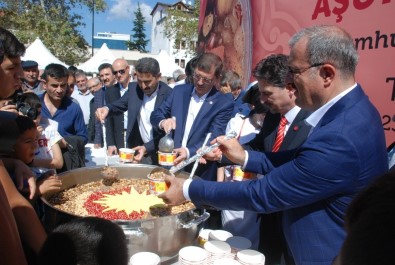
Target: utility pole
[{"x": 93, "y": 22}]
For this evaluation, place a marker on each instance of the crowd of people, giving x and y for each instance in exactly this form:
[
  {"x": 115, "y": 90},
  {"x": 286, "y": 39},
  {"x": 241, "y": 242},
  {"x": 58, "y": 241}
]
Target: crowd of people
[{"x": 288, "y": 181}]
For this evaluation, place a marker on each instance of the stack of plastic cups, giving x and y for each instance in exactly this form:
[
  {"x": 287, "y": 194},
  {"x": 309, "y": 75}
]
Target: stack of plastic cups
[
  {"x": 226, "y": 261},
  {"x": 144, "y": 258},
  {"x": 217, "y": 250},
  {"x": 192, "y": 255},
  {"x": 238, "y": 243},
  {"x": 250, "y": 257}
]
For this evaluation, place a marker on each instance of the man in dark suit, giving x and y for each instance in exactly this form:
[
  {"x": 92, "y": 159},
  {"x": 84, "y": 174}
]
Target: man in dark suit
[
  {"x": 194, "y": 110},
  {"x": 116, "y": 123},
  {"x": 314, "y": 184},
  {"x": 278, "y": 93},
  {"x": 142, "y": 97},
  {"x": 107, "y": 79}
]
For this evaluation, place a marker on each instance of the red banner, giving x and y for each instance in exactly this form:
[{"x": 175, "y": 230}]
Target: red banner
[{"x": 243, "y": 32}]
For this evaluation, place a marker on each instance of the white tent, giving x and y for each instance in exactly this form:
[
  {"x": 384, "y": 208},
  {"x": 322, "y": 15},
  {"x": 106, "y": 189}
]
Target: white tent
[
  {"x": 167, "y": 65},
  {"x": 104, "y": 55},
  {"x": 39, "y": 53}
]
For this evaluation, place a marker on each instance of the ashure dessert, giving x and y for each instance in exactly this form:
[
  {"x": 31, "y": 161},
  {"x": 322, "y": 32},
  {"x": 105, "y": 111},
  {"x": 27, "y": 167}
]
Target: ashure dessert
[{"x": 125, "y": 199}]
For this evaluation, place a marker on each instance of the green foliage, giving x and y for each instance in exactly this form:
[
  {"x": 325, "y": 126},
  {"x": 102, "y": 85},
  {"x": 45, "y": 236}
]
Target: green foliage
[
  {"x": 139, "y": 42},
  {"x": 183, "y": 26},
  {"x": 53, "y": 21}
]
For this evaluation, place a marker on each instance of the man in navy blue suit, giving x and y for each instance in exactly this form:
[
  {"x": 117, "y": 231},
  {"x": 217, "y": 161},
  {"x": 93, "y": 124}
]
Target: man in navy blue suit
[
  {"x": 140, "y": 99},
  {"x": 194, "y": 110},
  {"x": 313, "y": 184}
]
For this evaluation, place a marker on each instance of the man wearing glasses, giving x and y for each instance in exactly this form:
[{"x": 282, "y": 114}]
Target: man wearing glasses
[
  {"x": 117, "y": 123},
  {"x": 199, "y": 109},
  {"x": 138, "y": 102},
  {"x": 314, "y": 184}
]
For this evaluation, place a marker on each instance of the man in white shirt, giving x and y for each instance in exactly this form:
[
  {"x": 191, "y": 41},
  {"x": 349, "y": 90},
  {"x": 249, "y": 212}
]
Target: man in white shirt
[
  {"x": 82, "y": 94},
  {"x": 141, "y": 98},
  {"x": 314, "y": 184}
]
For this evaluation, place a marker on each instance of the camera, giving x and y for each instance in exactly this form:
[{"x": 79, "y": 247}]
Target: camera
[{"x": 24, "y": 108}]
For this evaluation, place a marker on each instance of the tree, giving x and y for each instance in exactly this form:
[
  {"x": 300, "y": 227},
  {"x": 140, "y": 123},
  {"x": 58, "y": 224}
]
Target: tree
[
  {"x": 182, "y": 26},
  {"x": 53, "y": 21},
  {"x": 138, "y": 37}
]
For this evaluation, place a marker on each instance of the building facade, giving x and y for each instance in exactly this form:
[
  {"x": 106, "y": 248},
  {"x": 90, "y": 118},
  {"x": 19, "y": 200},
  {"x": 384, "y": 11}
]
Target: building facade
[
  {"x": 113, "y": 40},
  {"x": 158, "y": 39}
]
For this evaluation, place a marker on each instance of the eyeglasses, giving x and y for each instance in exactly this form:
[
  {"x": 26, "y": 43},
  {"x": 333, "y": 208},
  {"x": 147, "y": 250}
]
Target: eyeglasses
[
  {"x": 121, "y": 72},
  {"x": 298, "y": 71},
  {"x": 205, "y": 80}
]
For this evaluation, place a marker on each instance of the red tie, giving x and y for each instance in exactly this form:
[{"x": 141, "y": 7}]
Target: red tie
[{"x": 280, "y": 134}]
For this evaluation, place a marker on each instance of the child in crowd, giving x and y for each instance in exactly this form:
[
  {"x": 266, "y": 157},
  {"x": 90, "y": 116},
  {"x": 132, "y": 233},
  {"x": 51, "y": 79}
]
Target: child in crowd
[
  {"x": 48, "y": 156},
  {"x": 85, "y": 241}
]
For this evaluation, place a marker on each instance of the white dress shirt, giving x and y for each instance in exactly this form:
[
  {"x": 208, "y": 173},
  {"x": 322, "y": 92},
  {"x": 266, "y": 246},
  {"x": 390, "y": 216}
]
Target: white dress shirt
[
  {"x": 194, "y": 107},
  {"x": 125, "y": 114},
  {"x": 146, "y": 109}
]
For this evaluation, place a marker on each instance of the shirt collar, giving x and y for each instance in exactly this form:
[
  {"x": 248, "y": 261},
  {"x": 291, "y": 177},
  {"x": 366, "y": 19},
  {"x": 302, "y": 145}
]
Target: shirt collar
[
  {"x": 153, "y": 95},
  {"x": 291, "y": 114},
  {"x": 317, "y": 115},
  {"x": 85, "y": 94},
  {"x": 202, "y": 98}
]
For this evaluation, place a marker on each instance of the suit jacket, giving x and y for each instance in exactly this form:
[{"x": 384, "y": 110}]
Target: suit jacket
[
  {"x": 272, "y": 241},
  {"x": 213, "y": 117},
  {"x": 114, "y": 122},
  {"x": 132, "y": 101},
  {"x": 314, "y": 184},
  {"x": 296, "y": 135}
]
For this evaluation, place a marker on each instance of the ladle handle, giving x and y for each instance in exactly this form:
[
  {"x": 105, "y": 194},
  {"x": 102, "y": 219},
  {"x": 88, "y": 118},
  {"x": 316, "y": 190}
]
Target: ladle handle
[{"x": 201, "y": 153}]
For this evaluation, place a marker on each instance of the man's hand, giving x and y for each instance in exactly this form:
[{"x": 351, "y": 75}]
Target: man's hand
[
  {"x": 22, "y": 172},
  {"x": 97, "y": 146},
  {"x": 174, "y": 196},
  {"x": 214, "y": 155},
  {"x": 182, "y": 154},
  {"x": 139, "y": 152},
  {"x": 6, "y": 105},
  {"x": 101, "y": 114},
  {"x": 112, "y": 150},
  {"x": 168, "y": 125},
  {"x": 231, "y": 149}
]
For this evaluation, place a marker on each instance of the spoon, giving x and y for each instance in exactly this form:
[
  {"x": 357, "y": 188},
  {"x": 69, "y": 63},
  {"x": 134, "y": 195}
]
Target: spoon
[{"x": 202, "y": 152}]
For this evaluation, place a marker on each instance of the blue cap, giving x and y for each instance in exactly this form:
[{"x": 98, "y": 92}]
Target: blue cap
[{"x": 29, "y": 64}]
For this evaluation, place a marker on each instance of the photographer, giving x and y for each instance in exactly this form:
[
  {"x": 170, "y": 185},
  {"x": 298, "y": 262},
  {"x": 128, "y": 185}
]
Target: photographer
[{"x": 11, "y": 72}]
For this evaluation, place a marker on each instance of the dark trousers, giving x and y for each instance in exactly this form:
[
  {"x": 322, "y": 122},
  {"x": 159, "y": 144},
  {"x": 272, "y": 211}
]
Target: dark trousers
[{"x": 272, "y": 241}]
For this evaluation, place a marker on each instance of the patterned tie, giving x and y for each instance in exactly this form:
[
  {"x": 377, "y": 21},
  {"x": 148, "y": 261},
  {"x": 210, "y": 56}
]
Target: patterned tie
[{"x": 280, "y": 134}]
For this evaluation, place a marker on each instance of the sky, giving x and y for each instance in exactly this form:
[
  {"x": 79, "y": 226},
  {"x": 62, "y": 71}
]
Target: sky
[{"x": 118, "y": 18}]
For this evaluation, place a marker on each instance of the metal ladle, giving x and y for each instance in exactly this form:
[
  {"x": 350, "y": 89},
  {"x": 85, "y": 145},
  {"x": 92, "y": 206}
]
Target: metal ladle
[{"x": 166, "y": 143}]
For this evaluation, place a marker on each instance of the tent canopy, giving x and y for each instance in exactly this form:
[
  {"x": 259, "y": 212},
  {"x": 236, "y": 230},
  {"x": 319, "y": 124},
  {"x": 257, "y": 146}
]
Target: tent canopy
[
  {"x": 104, "y": 55},
  {"x": 166, "y": 64},
  {"x": 39, "y": 53}
]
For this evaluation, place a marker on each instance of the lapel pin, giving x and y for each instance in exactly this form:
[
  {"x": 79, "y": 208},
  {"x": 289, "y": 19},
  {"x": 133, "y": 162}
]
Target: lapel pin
[{"x": 296, "y": 128}]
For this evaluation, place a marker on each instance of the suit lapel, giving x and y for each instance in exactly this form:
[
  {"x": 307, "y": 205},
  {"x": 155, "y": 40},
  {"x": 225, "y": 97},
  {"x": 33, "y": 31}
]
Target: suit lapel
[
  {"x": 185, "y": 100},
  {"x": 160, "y": 96},
  {"x": 135, "y": 100},
  {"x": 296, "y": 129}
]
